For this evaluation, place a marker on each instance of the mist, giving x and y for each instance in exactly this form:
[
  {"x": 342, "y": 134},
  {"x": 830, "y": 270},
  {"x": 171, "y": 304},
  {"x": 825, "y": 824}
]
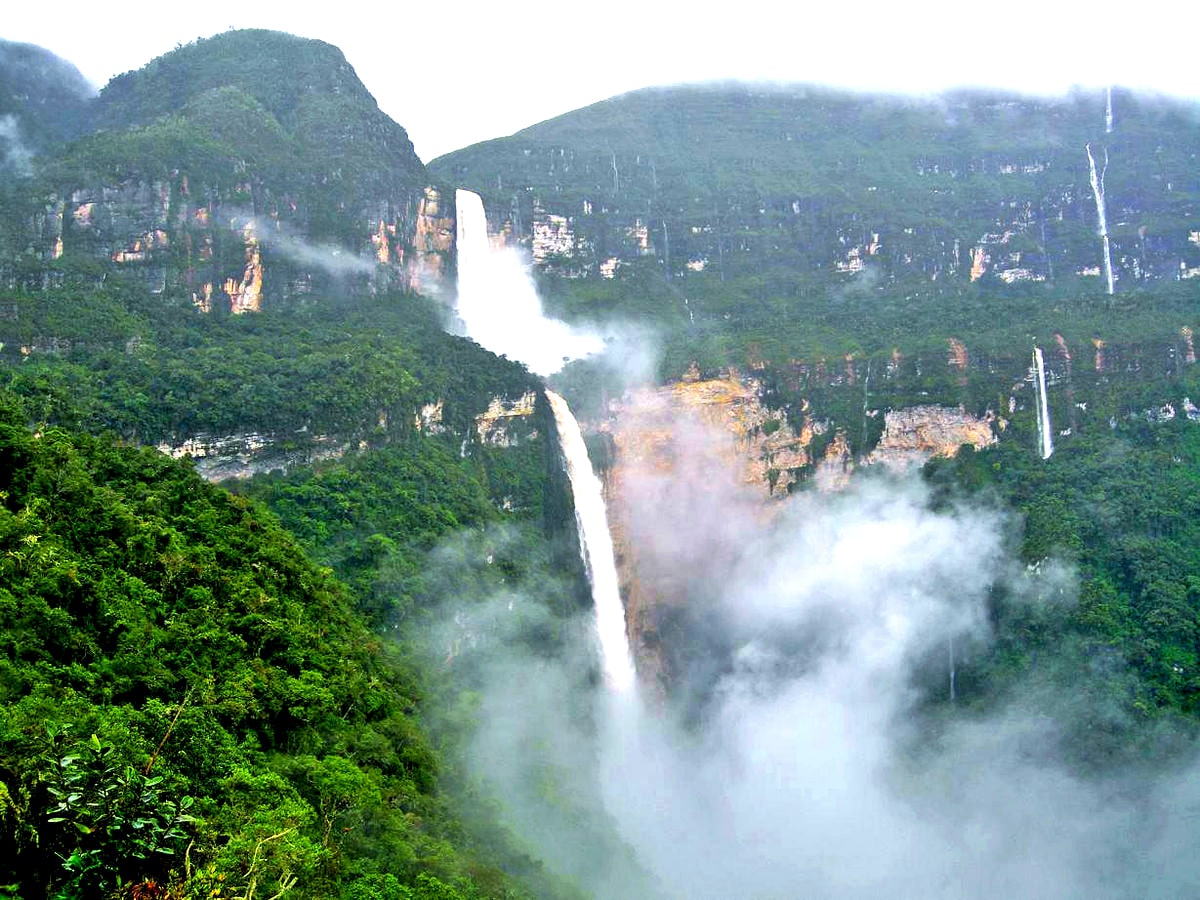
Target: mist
[
  {"x": 498, "y": 304},
  {"x": 804, "y": 744},
  {"x": 17, "y": 157},
  {"x": 283, "y": 240}
]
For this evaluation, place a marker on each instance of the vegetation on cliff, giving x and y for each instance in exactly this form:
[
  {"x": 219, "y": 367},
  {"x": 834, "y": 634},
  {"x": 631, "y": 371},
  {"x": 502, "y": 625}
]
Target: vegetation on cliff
[
  {"x": 1119, "y": 507},
  {"x": 188, "y": 701},
  {"x": 114, "y": 607},
  {"x": 121, "y": 360},
  {"x": 220, "y": 699},
  {"x": 754, "y": 224}
]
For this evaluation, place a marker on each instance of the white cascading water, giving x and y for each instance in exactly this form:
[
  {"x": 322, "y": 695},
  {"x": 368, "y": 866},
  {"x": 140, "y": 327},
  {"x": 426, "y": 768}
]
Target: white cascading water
[
  {"x": 1045, "y": 439},
  {"x": 498, "y": 303},
  {"x": 499, "y": 307},
  {"x": 1097, "y": 182},
  {"x": 596, "y": 548}
]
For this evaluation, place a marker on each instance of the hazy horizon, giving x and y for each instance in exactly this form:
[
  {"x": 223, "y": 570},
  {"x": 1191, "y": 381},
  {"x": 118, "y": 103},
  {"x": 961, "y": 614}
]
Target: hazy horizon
[{"x": 498, "y": 73}]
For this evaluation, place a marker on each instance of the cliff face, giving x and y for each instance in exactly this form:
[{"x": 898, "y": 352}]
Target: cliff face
[
  {"x": 507, "y": 422},
  {"x": 912, "y": 436},
  {"x": 716, "y": 436},
  {"x": 249, "y": 168},
  {"x": 666, "y": 445},
  {"x": 432, "y": 243},
  {"x": 716, "y": 181},
  {"x": 241, "y": 456},
  {"x": 759, "y": 444},
  {"x": 192, "y": 238},
  {"x": 769, "y": 453}
]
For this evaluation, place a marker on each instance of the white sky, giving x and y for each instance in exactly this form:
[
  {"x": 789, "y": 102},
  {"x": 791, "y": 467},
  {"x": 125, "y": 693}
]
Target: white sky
[{"x": 459, "y": 73}]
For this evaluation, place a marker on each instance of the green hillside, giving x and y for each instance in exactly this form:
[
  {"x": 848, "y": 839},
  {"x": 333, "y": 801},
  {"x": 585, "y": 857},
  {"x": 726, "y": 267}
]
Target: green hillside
[
  {"x": 264, "y": 93},
  {"x": 770, "y": 224},
  {"x": 189, "y": 703},
  {"x": 253, "y": 167},
  {"x": 231, "y": 253}
]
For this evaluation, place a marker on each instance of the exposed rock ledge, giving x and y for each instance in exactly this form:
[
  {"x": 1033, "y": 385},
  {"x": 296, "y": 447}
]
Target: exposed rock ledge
[
  {"x": 219, "y": 457},
  {"x": 493, "y": 425},
  {"x": 505, "y": 423},
  {"x": 715, "y": 435},
  {"x": 913, "y": 435}
]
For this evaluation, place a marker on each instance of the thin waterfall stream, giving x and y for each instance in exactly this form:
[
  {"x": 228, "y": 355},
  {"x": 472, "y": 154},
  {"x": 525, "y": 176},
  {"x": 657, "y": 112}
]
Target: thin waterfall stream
[
  {"x": 596, "y": 548},
  {"x": 1045, "y": 436}
]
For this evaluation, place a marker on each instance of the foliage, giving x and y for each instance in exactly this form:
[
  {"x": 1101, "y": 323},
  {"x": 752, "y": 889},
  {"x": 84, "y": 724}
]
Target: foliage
[
  {"x": 112, "y": 820},
  {"x": 1121, "y": 509},
  {"x": 185, "y": 631},
  {"x": 152, "y": 372},
  {"x": 731, "y": 208}
]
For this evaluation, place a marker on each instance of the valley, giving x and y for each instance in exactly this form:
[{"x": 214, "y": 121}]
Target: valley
[{"x": 892, "y": 403}]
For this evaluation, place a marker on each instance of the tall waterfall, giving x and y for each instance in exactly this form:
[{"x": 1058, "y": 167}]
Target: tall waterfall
[
  {"x": 1045, "y": 439},
  {"x": 498, "y": 303},
  {"x": 596, "y": 548},
  {"x": 1097, "y": 182},
  {"x": 499, "y": 307}
]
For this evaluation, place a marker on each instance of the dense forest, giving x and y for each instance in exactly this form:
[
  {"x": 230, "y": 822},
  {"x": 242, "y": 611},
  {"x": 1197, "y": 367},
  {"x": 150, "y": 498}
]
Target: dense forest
[
  {"x": 276, "y": 686},
  {"x": 145, "y": 606}
]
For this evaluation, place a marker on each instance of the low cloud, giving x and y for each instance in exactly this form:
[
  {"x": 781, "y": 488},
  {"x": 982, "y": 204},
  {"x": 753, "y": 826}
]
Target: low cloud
[
  {"x": 283, "y": 240},
  {"x": 796, "y": 751},
  {"x": 18, "y": 158}
]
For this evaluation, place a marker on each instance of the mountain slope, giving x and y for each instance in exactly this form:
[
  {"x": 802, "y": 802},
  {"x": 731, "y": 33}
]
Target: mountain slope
[
  {"x": 249, "y": 168},
  {"x": 307, "y": 87},
  {"x": 43, "y": 99},
  {"x": 246, "y": 729},
  {"x": 798, "y": 178},
  {"x": 753, "y": 225}
]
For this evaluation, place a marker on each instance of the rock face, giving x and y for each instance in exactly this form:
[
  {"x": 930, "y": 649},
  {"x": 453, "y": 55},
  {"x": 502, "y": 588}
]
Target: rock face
[
  {"x": 912, "y": 436},
  {"x": 239, "y": 456},
  {"x": 432, "y": 243},
  {"x": 667, "y": 445},
  {"x": 721, "y": 181},
  {"x": 649, "y": 429},
  {"x": 505, "y": 423},
  {"x": 716, "y": 436},
  {"x": 497, "y": 425}
]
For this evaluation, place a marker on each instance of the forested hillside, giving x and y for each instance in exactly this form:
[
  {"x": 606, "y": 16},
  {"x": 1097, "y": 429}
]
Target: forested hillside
[
  {"x": 199, "y": 702},
  {"x": 250, "y": 168},
  {"x": 191, "y": 708},
  {"x": 278, "y": 686},
  {"x": 755, "y": 224}
]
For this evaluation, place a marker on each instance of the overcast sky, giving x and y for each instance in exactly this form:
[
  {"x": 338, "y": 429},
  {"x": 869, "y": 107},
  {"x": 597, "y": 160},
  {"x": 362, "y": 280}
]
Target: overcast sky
[{"x": 456, "y": 73}]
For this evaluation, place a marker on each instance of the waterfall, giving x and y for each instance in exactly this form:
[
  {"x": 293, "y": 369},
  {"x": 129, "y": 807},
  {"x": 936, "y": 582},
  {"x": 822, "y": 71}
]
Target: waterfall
[
  {"x": 498, "y": 303},
  {"x": 1097, "y": 182},
  {"x": 595, "y": 546},
  {"x": 1045, "y": 439}
]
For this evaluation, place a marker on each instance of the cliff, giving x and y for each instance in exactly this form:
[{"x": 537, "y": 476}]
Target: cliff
[
  {"x": 253, "y": 167},
  {"x": 717, "y": 436},
  {"x": 505, "y": 423},
  {"x": 970, "y": 187}
]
